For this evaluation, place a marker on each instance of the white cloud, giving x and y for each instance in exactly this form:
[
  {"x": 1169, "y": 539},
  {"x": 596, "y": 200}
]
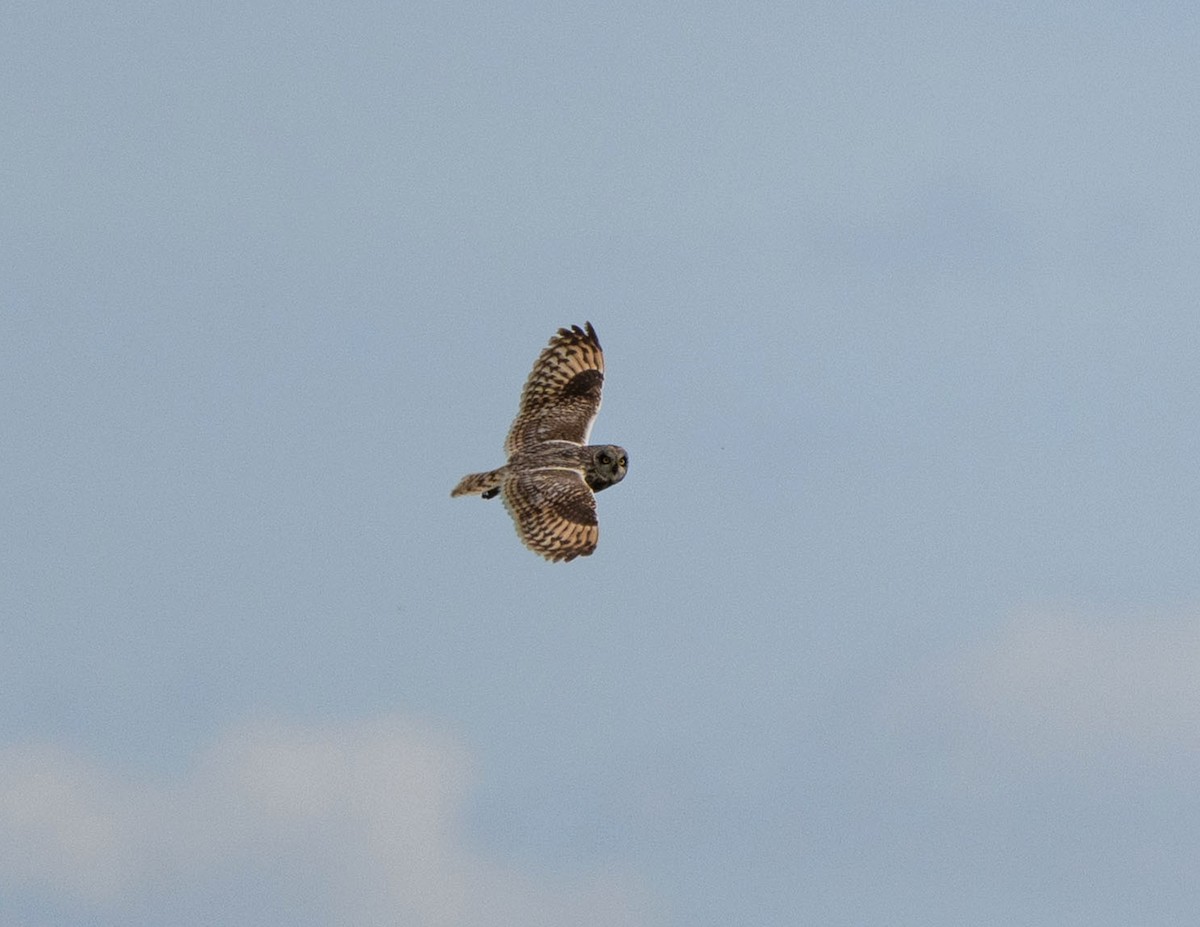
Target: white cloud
[
  {"x": 62, "y": 824},
  {"x": 1105, "y": 703},
  {"x": 1064, "y": 681},
  {"x": 356, "y": 824}
]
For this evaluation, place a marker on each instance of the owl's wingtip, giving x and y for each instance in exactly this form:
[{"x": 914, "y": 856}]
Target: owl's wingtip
[{"x": 587, "y": 333}]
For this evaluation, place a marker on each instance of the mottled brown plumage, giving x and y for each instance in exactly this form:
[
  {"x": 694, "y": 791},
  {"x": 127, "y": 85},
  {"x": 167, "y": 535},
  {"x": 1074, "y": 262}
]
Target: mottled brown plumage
[
  {"x": 552, "y": 474},
  {"x": 562, "y": 395}
]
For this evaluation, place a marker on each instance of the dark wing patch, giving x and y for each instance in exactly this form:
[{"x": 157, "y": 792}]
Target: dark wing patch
[
  {"x": 562, "y": 395},
  {"x": 554, "y": 511}
]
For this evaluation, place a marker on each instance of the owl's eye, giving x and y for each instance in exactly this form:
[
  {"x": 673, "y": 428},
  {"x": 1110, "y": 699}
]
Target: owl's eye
[
  {"x": 605, "y": 459},
  {"x": 622, "y": 462}
]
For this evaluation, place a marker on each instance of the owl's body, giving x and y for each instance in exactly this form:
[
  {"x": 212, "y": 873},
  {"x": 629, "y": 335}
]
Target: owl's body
[{"x": 552, "y": 474}]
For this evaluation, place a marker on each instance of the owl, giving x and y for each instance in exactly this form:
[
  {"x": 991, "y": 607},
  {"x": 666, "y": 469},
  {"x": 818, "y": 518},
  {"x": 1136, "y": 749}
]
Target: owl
[{"x": 552, "y": 475}]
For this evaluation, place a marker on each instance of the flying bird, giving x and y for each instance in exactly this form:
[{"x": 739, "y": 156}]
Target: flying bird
[{"x": 552, "y": 475}]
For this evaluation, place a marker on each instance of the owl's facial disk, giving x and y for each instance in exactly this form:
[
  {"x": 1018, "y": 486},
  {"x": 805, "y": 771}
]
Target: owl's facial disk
[{"x": 610, "y": 464}]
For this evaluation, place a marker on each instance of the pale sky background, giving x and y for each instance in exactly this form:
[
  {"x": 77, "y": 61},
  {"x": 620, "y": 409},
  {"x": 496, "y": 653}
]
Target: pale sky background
[{"x": 896, "y": 619}]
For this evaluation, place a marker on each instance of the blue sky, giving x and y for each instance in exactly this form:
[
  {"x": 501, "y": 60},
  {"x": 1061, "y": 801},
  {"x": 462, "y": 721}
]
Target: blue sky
[{"x": 896, "y": 619}]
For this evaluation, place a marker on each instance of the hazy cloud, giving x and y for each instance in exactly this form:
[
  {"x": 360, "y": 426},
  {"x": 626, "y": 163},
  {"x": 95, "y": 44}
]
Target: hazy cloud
[
  {"x": 1065, "y": 680},
  {"x": 1101, "y": 703},
  {"x": 344, "y": 824}
]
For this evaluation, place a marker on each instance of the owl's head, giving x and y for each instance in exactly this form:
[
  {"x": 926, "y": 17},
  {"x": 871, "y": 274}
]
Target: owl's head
[{"x": 609, "y": 464}]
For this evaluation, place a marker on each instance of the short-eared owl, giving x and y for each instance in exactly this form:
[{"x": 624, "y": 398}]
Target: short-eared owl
[{"x": 552, "y": 474}]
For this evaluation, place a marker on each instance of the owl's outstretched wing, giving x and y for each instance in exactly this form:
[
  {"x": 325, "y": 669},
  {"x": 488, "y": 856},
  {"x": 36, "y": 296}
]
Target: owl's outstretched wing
[
  {"x": 554, "y": 511},
  {"x": 562, "y": 395}
]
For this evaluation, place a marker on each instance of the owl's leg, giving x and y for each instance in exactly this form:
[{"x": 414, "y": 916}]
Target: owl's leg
[{"x": 491, "y": 493}]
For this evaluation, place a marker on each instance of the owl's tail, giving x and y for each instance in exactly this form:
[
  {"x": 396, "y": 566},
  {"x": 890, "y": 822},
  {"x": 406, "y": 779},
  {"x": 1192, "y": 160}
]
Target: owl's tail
[{"x": 479, "y": 484}]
